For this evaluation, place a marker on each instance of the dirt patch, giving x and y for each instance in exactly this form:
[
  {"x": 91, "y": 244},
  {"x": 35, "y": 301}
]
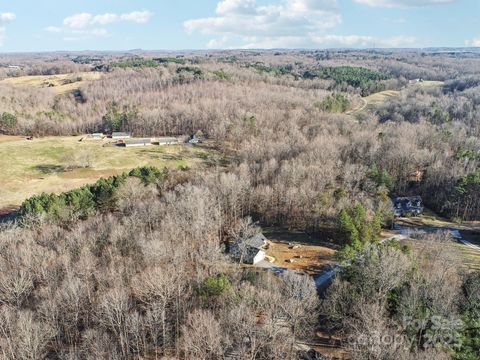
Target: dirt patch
[
  {"x": 298, "y": 251},
  {"x": 310, "y": 259},
  {"x": 330, "y": 346}
]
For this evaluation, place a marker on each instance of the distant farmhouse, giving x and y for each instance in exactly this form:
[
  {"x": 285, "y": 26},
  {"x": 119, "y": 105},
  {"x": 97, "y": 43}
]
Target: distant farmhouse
[
  {"x": 415, "y": 81},
  {"x": 121, "y": 135},
  {"x": 408, "y": 206},
  {"x": 250, "y": 251}
]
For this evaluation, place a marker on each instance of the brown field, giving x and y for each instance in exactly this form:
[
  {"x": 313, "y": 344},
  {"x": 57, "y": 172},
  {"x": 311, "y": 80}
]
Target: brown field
[
  {"x": 310, "y": 256},
  {"x": 430, "y": 84},
  {"x": 60, "y": 84},
  {"x": 381, "y": 97}
]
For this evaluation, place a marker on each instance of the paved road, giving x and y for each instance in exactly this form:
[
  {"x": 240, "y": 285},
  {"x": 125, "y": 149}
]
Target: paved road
[
  {"x": 470, "y": 245},
  {"x": 323, "y": 280}
]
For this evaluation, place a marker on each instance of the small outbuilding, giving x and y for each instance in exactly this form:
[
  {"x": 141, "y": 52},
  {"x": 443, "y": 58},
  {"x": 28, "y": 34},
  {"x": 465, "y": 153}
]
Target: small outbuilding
[
  {"x": 251, "y": 250},
  {"x": 166, "y": 141},
  {"x": 121, "y": 135},
  {"x": 135, "y": 142},
  {"x": 94, "y": 136}
]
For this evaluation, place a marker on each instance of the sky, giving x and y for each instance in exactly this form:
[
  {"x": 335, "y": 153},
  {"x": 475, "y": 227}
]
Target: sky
[{"x": 51, "y": 25}]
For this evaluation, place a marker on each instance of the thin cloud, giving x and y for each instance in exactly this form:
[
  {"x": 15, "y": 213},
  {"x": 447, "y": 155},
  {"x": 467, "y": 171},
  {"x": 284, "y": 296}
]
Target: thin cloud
[
  {"x": 84, "y": 20},
  {"x": 285, "y": 24},
  {"x": 5, "y": 18},
  {"x": 53, "y": 29},
  {"x": 282, "y": 24},
  {"x": 82, "y": 26},
  {"x": 363, "y": 41},
  {"x": 83, "y": 34},
  {"x": 473, "y": 42},
  {"x": 404, "y": 3},
  {"x": 139, "y": 17}
]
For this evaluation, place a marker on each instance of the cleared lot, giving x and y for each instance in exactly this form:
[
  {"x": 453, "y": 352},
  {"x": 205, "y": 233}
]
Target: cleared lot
[{"x": 296, "y": 250}]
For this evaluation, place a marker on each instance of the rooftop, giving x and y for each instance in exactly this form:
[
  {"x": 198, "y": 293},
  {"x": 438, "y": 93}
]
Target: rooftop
[
  {"x": 139, "y": 141},
  {"x": 257, "y": 241}
]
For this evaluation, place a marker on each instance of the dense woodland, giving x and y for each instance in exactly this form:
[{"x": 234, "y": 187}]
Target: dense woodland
[{"x": 135, "y": 266}]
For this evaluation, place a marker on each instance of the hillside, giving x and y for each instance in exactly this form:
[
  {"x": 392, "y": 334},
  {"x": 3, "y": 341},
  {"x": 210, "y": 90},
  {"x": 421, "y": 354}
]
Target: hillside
[{"x": 240, "y": 205}]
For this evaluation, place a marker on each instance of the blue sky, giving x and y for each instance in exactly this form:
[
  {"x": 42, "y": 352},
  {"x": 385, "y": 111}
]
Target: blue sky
[{"x": 27, "y": 25}]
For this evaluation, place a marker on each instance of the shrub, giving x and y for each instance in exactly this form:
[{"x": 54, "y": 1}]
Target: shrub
[
  {"x": 214, "y": 286},
  {"x": 8, "y": 122},
  {"x": 336, "y": 103}
]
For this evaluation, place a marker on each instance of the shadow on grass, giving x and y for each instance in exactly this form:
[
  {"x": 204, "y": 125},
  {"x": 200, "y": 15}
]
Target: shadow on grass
[
  {"x": 49, "y": 168},
  {"x": 325, "y": 236},
  {"x": 172, "y": 157},
  {"x": 284, "y": 235}
]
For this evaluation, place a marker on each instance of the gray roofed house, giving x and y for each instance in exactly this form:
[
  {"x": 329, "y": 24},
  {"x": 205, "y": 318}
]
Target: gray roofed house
[
  {"x": 407, "y": 206},
  {"x": 257, "y": 241},
  {"x": 251, "y": 250}
]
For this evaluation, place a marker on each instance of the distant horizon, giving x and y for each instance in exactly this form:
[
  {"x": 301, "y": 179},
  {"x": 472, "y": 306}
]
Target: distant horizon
[{"x": 140, "y": 50}]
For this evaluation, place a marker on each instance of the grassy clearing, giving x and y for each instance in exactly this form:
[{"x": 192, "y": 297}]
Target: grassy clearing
[
  {"x": 430, "y": 84},
  {"x": 471, "y": 257},
  {"x": 60, "y": 84},
  {"x": 46, "y": 165},
  {"x": 469, "y": 230},
  {"x": 429, "y": 218},
  {"x": 381, "y": 97},
  {"x": 309, "y": 255}
]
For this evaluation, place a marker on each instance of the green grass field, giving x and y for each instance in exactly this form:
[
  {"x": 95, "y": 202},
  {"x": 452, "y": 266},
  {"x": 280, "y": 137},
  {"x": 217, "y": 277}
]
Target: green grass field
[{"x": 52, "y": 164}]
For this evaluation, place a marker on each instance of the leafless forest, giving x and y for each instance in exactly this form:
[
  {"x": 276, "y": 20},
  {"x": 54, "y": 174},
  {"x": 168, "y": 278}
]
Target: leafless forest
[{"x": 150, "y": 278}]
